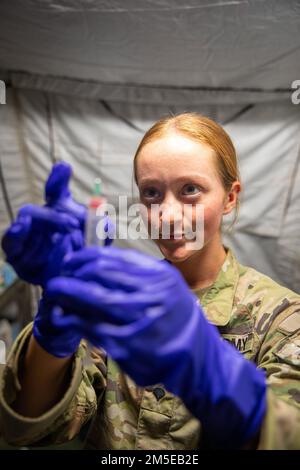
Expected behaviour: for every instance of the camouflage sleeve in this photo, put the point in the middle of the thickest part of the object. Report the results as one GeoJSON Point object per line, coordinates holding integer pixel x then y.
{"type": "Point", "coordinates": [279, 356]}
{"type": "Point", "coordinates": [65, 420]}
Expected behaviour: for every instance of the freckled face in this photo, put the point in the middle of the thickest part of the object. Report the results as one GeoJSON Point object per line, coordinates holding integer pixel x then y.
{"type": "Point", "coordinates": [171, 172]}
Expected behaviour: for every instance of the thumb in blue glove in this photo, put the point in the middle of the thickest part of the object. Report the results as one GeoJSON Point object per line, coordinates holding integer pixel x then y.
{"type": "Point", "coordinates": [51, 338]}
{"type": "Point", "coordinates": [142, 312]}
{"type": "Point", "coordinates": [58, 195]}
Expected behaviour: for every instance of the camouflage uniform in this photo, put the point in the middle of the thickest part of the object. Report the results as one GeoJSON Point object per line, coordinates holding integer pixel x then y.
{"type": "Point", "coordinates": [259, 317]}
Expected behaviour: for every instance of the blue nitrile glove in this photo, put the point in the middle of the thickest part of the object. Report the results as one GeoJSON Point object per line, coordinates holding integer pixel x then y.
{"type": "Point", "coordinates": [142, 312]}
{"type": "Point", "coordinates": [37, 241]}
{"type": "Point", "coordinates": [51, 338]}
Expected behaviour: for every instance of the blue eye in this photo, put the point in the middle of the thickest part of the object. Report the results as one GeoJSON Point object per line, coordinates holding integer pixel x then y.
{"type": "Point", "coordinates": [190, 190]}
{"type": "Point", "coordinates": [150, 193]}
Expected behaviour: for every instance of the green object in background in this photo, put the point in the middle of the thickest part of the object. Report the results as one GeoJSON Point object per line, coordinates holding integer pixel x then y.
{"type": "Point", "coordinates": [7, 276]}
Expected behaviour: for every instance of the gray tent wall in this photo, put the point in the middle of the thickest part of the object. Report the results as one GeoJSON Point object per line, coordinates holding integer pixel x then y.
{"type": "Point", "coordinates": [88, 79]}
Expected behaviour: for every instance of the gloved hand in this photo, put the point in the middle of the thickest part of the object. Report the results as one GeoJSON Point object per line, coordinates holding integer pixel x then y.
{"type": "Point", "coordinates": [51, 338]}
{"type": "Point", "coordinates": [142, 312]}
{"type": "Point", "coordinates": [37, 241]}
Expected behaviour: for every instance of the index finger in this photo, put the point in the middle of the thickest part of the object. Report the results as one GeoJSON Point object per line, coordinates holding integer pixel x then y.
{"type": "Point", "coordinates": [47, 216]}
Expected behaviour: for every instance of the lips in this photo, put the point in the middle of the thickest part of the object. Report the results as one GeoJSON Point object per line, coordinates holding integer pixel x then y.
{"type": "Point", "coordinates": [172, 236]}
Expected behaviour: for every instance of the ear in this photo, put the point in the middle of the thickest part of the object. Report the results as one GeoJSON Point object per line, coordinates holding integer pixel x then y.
{"type": "Point", "coordinates": [232, 197]}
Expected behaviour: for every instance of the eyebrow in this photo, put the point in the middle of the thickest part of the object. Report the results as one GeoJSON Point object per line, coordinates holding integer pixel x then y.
{"type": "Point", "coordinates": [185, 177]}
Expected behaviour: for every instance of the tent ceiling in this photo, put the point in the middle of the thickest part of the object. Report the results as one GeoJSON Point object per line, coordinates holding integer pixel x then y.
{"type": "Point", "coordinates": [169, 43]}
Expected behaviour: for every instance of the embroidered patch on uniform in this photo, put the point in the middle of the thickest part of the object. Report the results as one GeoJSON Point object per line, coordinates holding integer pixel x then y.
{"type": "Point", "coordinates": [291, 323]}
{"type": "Point", "coordinates": [290, 352]}
{"type": "Point", "coordinates": [243, 343]}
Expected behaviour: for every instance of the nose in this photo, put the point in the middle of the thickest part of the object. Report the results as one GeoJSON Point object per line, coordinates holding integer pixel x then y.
{"type": "Point", "coordinates": [171, 212]}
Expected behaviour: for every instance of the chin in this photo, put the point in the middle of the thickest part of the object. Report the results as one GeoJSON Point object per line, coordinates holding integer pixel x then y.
{"type": "Point", "coordinates": [175, 254]}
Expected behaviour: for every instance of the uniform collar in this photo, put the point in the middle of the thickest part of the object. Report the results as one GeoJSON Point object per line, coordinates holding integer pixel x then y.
{"type": "Point", "coordinates": [217, 300]}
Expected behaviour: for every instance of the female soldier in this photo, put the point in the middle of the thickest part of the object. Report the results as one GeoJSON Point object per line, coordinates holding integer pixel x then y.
{"type": "Point", "coordinates": [170, 381]}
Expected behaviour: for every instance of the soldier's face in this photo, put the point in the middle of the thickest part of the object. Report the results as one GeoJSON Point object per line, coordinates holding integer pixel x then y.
{"type": "Point", "coordinates": [175, 171]}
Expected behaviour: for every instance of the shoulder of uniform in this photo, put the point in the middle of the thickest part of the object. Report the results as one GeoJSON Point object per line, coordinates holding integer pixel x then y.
{"type": "Point", "coordinates": [273, 306]}
{"type": "Point", "coordinates": [253, 281]}
{"type": "Point", "coordinates": [263, 296]}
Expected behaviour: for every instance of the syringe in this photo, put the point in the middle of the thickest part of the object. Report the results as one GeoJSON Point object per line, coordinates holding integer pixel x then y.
{"type": "Point", "coordinates": [95, 223]}
{"type": "Point", "coordinates": [95, 233]}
